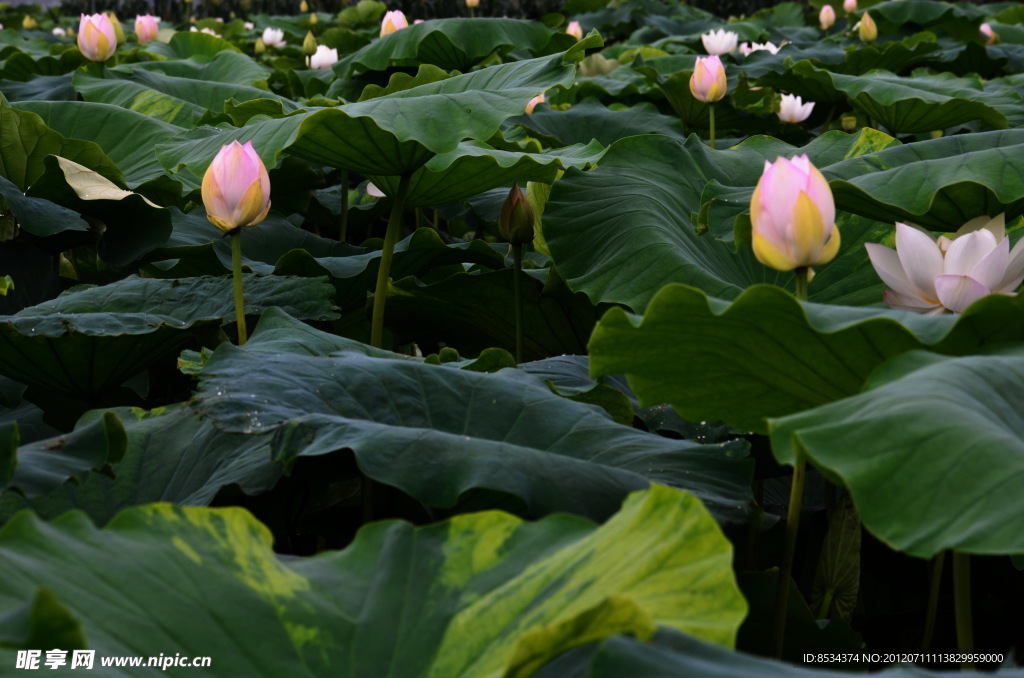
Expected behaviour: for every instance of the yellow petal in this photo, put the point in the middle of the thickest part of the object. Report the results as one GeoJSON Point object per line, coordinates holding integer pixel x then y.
{"type": "Point", "coordinates": [828, 252]}
{"type": "Point", "coordinates": [771, 256]}
{"type": "Point", "coordinates": [808, 230]}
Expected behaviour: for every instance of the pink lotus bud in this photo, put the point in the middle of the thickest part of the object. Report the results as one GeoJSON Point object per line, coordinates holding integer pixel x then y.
{"type": "Point", "coordinates": [793, 216]}
{"type": "Point", "coordinates": [236, 188]}
{"type": "Point", "coordinates": [472, 3]}
{"type": "Point", "coordinates": [146, 27]}
{"type": "Point", "coordinates": [991, 35]}
{"type": "Point", "coordinates": [719, 42]}
{"type": "Point", "coordinates": [575, 30]}
{"type": "Point", "coordinates": [96, 37]}
{"type": "Point", "coordinates": [867, 30]}
{"type": "Point", "coordinates": [393, 21]}
{"type": "Point", "coordinates": [849, 6]}
{"type": "Point", "coordinates": [826, 17]}
{"type": "Point", "coordinates": [539, 99]}
{"type": "Point", "coordinates": [708, 82]}
{"type": "Point", "coordinates": [793, 109]}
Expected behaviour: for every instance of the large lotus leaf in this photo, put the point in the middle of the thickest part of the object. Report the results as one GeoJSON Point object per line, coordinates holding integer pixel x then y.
{"type": "Point", "coordinates": [474, 167]}
{"type": "Point", "coordinates": [39, 88]}
{"type": "Point", "coordinates": [169, 454]}
{"type": "Point", "coordinates": [393, 134]}
{"type": "Point", "coordinates": [930, 452]}
{"type": "Point", "coordinates": [189, 44]}
{"type": "Point", "coordinates": [132, 225]}
{"type": "Point", "coordinates": [224, 66]}
{"type": "Point", "coordinates": [179, 101]}
{"type": "Point", "coordinates": [38, 216]}
{"type": "Point", "coordinates": [471, 312]}
{"type": "Point", "coordinates": [923, 103]}
{"type": "Point", "coordinates": [589, 120]}
{"type": "Point", "coordinates": [767, 355]}
{"type": "Point", "coordinates": [624, 250]}
{"type": "Point", "coordinates": [672, 654]}
{"type": "Point", "coordinates": [959, 20]}
{"type": "Point", "coordinates": [955, 179]}
{"type": "Point", "coordinates": [89, 340]}
{"type": "Point", "coordinates": [355, 275]}
{"type": "Point", "coordinates": [197, 247]}
{"type": "Point", "coordinates": [452, 44]}
{"type": "Point", "coordinates": [489, 595]}
{"type": "Point", "coordinates": [41, 467]}
{"type": "Point", "coordinates": [27, 141]}
{"type": "Point", "coordinates": [126, 137]}
{"type": "Point", "coordinates": [436, 432]}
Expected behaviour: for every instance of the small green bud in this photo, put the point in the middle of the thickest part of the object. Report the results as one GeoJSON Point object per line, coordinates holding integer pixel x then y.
{"type": "Point", "coordinates": [260, 47]}
{"type": "Point", "coordinates": [309, 44]}
{"type": "Point", "coordinates": [515, 222]}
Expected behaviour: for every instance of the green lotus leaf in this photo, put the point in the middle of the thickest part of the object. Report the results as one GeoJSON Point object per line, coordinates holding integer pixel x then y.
{"type": "Point", "coordinates": [169, 454]}
{"type": "Point", "coordinates": [126, 137]}
{"type": "Point", "coordinates": [625, 250]}
{"type": "Point", "coordinates": [187, 44]}
{"type": "Point", "coordinates": [777, 356]}
{"type": "Point", "coordinates": [589, 119]}
{"type": "Point", "coordinates": [471, 312]}
{"type": "Point", "coordinates": [27, 142]}
{"type": "Point", "coordinates": [493, 595]}
{"type": "Point", "coordinates": [474, 167]}
{"type": "Point", "coordinates": [506, 432]}
{"type": "Point", "coordinates": [90, 340]}
{"type": "Point", "coordinates": [451, 44]}
{"type": "Point", "coordinates": [930, 451]}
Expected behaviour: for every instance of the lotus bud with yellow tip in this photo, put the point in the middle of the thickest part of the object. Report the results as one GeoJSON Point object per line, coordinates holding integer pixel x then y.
{"type": "Point", "coordinates": [29, 23]}
{"type": "Point", "coordinates": [96, 38]}
{"type": "Point", "coordinates": [866, 28]}
{"type": "Point", "coordinates": [793, 216]}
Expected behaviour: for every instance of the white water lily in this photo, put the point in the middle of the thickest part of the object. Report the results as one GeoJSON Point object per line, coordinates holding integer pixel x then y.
{"type": "Point", "coordinates": [273, 37]}
{"type": "Point", "coordinates": [793, 109]}
{"type": "Point", "coordinates": [932, 277]}
{"type": "Point", "coordinates": [720, 41]}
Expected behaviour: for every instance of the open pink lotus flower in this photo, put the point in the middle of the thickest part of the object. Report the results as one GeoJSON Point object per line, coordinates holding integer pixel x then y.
{"type": "Point", "coordinates": [932, 277]}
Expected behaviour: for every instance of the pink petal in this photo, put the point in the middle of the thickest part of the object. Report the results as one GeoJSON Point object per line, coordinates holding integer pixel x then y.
{"type": "Point", "coordinates": [902, 302]}
{"type": "Point", "coordinates": [920, 257]}
{"type": "Point", "coordinates": [957, 292]}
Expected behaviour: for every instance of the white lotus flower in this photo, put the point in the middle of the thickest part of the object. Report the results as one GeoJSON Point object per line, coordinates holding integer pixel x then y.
{"type": "Point", "coordinates": [793, 109]}
{"type": "Point", "coordinates": [249, 25]}
{"type": "Point", "coordinates": [720, 41]}
{"type": "Point", "coordinates": [273, 37]}
{"type": "Point", "coordinates": [325, 57]}
{"type": "Point", "coordinates": [933, 277]}
{"type": "Point", "coordinates": [59, 32]}
{"type": "Point", "coordinates": [767, 46]}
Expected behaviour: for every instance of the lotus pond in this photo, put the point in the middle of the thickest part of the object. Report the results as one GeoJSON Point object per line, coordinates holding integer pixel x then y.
{"type": "Point", "coordinates": [627, 341]}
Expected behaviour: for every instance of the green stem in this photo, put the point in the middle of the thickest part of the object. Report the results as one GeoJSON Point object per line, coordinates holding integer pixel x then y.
{"type": "Point", "coordinates": [826, 603]}
{"type": "Point", "coordinates": [517, 256]}
{"type": "Point", "coordinates": [802, 274]}
{"type": "Point", "coordinates": [796, 494]}
{"type": "Point", "coordinates": [417, 217]}
{"type": "Point", "coordinates": [962, 602]}
{"type": "Point", "coordinates": [933, 600]}
{"type": "Point", "coordinates": [380, 292]}
{"type": "Point", "coordinates": [236, 274]}
{"type": "Point", "coordinates": [343, 222]}
{"type": "Point", "coordinates": [712, 114]}
{"type": "Point", "coordinates": [754, 539]}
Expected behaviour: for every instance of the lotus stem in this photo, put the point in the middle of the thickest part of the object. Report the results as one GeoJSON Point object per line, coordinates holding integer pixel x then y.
{"type": "Point", "coordinates": [236, 275]}
{"type": "Point", "coordinates": [343, 222]}
{"type": "Point", "coordinates": [517, 257]}
{"type": "Point", "coordinates": [711, 112]}
{"type": "Point", "coordinates": [962, 603]}
{"type": "Point", "coordinates": [796, 494]}
{"type": "Point", "coordinates": [933, 600]}
{"type": "Point", "coordinates": [802, 276]}
{"type": "Point", "coordinates": [380, 292]}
